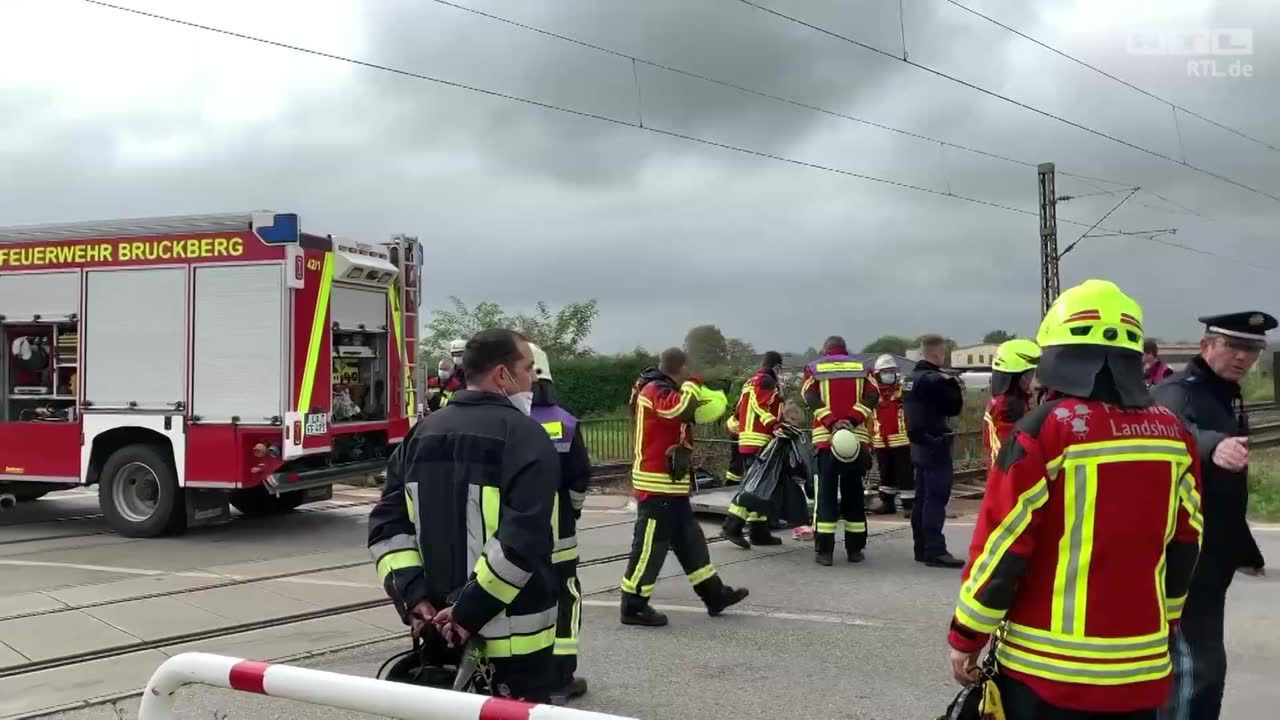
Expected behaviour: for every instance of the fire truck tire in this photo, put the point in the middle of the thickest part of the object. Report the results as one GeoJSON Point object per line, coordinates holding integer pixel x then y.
{"type": "Point", "coordinates": [257, 501]}
{"type": "Point", "coordinates": [139, 494]}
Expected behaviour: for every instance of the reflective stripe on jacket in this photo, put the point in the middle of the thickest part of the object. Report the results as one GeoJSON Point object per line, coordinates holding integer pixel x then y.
{"type": "Point", "coordinates": [889, 426]}
{"type": "Point", "coordinates": [758, 411]}
{"type": "Point", "coordinates": [1083, 552]}
{"type": "Point", "coordinates": [466, 516]}
{"type": "Point", "coordinates": [836, 387]}
{"type": "Point", "coordinates": [999, 418]}
{"type": "Point", "coordinates": [663, 441]}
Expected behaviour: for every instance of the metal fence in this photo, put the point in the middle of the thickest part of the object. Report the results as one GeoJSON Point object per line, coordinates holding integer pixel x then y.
{"type": "Point", "coordinates": [613, 440]}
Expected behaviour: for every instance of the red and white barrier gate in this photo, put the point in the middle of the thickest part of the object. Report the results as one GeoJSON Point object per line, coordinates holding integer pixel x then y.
{"type": "Point", "coordinates": [349, 692]}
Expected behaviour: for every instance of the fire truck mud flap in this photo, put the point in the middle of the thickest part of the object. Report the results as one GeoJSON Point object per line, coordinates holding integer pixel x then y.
{"type": "Point", "coordinates": [207, 507]}
{"type": "Point", "coordinates": [310, 480]}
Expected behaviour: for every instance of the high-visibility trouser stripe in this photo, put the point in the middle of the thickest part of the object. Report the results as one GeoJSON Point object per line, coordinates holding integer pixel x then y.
{"type": "Point", "coordinates": [398, 560]}
{"type": "Point", "coordinates": [516, 645]}
{"type": "Point", "coordinates": [631, 584]}
{"type": "Point", "coordinates": [738, 511]}
{"type": "Point", "coordinates": [392, 544]}
{"type": "Point", "coordinates": [565, 549]}
{"type": "Point", "coordinates": [1061, 670]}
{"type": "Point", "coordinates": [828, 528]}
{"type": "Point", "coordinates": [568, 644]}
{"type": "Point", "coordinates": [1003, 537]}
{"type": "Point", "coordinates": [978, 617]}
{"type": "Point", "coordinates": [504, 625]}
{"type": "Point", "coordinates": [318, 330]}
{"type": "Point", "coordinates": [855, 526]}
{"type": "Point", "coordinates": [702, 574]}
{"type": "Point", "coordinates": [1120, 648]}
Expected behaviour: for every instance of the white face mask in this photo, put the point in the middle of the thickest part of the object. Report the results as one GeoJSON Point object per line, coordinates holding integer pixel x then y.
{"type": "Point", "coordinates": [888, 378]}
{"type": "Point", "coordinates": [523, 401]}
{"type": "Point", "coordinates": [444, 374]}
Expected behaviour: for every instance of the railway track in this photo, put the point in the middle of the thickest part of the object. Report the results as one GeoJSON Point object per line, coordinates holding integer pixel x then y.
{"type": "Point", "coordinates": [237, 628]}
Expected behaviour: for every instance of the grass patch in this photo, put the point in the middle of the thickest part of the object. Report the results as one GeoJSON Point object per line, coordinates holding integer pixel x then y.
{"type": "Point", "coordinates": [1264, 485]}
{"type": "Point", "coordinates": [1258, 386]}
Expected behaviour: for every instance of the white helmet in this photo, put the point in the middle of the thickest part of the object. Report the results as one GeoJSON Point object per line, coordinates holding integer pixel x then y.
{"type": "Point", "coordinates": [845, 445]}
{"type": "Point", "coordinates": [457, 347]}
{"type": "Point", "coordinates": [541, 365]}
{"type": "Point", "coordinates": [885, 362]}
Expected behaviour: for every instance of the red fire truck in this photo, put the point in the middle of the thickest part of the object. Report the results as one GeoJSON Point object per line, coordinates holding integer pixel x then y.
{"type": "Point", "coordinates": [185, 364]}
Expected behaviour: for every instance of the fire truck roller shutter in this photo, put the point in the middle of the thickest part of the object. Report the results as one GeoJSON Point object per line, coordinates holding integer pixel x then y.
{"type": "Point", "coordinates": [351, 307]}
{"type": "Point", "coordinates": [47, 294]}
{"type": "Point", "coordinates": [135, 338]}
{"type": "Point", "coordinates": [238, 364]}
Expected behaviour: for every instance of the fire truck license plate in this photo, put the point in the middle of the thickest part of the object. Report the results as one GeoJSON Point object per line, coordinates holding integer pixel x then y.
{"type": "Point", "coordinates": [317, 424]}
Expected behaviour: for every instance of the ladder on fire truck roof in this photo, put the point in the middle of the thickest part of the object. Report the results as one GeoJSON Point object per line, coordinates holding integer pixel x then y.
{"type": "Point", "coordinates": [130, 227]}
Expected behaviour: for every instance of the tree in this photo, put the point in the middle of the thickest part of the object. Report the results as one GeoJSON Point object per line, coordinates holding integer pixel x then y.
{"type": "Point", "coordinates": [995, 337]}
{"type": "Point", "coordinates": [706, 347]}
{"type": "Point", "coordinates": [740, 353]}
{"type": "Point", "coordinates": [561, 333]}
{"type": "Point", "coordinates": [889, 344]}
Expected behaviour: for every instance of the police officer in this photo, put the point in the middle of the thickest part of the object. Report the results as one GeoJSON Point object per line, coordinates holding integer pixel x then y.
{"type": "Point", "coordinates": [575, 475]}
{"type": "Point", "coordinates": [932, 398]}
{"type": "Point", "coordinates": [462, 536]}
{"type": "Point", "coordinates": [1206, 395]}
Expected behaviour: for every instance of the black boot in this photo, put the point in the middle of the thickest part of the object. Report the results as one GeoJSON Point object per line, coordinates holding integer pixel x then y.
{"type": "Point", "coordinates": [717, 596]}
{"type": "Point", "coordinates": [945, 560]}
{"type": "Point", "coordinates": [575, 688]}
{"type": "Point", "coordinates": [636, 611]}
{"type": "Point", "coordinates": [824, 545]}
{"type": "Point", "coordinates": [760, 534]}
{"type": "Point", "coordinates": [732, 531]}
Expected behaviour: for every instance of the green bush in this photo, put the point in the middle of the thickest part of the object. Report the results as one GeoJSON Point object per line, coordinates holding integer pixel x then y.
{"type": "Point", "coordinates": [598, 385]}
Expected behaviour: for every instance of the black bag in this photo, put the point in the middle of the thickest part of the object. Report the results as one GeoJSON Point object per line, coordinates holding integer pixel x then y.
{"type": "Point", "coordinates": [433, 663]}
{"type": "Point", "coordinates": [981, 700]}
{"type": "Point", "coordinates": [770, 468]}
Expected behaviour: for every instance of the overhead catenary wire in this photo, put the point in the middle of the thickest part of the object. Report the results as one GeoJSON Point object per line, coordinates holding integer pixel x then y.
{"type": "Point", "coordinates": [1085, 234]}
{"type": "Point", "coordinates": [1126, 83]}
{"type": "Point", "coordinates": [612, 120]}
{"type": "Point", "coordinates": [1012, 101]}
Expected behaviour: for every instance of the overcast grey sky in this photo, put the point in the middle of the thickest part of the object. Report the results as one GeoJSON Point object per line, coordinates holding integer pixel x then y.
{"type": "Point", "coordinates": [107, 114]}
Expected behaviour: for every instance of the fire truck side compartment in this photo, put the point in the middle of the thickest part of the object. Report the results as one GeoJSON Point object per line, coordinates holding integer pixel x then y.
{"type": "Point", "coordinates": [239, 346]}
{"type": "Point", "coordinates": [135, 329]}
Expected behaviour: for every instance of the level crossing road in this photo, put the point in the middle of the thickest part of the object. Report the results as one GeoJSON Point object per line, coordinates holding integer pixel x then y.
{"type": "Point", "coordinates": [863, 641]}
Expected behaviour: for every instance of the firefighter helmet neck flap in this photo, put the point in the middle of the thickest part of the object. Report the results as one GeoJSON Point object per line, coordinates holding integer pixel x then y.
{"type": "Point", "coordinates": [1013, 358]}
{"type": "Point", "coordinates": [1091, 327]}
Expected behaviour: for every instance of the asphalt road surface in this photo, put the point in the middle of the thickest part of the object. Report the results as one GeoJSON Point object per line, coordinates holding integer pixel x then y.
{"type": "Point", "coordinates": [851, 641]}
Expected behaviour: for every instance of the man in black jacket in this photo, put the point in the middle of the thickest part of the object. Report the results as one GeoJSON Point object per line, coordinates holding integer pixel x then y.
{"type": "Point", "coordinates": [930, 398]}
{"type": "Point", "coordinates": [1206, 395]}
{"type": "Point", "coordinates": [462, 535]}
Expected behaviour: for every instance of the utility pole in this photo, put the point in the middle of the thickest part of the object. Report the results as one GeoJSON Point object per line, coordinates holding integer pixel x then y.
{"type": "Point", "coordinates": [1049, 284]}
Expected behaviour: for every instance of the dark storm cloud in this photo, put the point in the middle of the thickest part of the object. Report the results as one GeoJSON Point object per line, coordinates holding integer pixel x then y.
{"type": "Point", "coordinates": [518, 203]}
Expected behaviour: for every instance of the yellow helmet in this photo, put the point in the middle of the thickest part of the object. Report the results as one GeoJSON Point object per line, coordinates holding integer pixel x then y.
{"type": "Point", "coordinates": [1016, 356]}
{"type": "Point", "coordinates": [1095, 312]}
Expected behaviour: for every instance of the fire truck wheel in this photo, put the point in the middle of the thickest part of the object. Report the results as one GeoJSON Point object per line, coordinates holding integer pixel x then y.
{"type": "Point", "coordinates": [139, 493]}
{"type": "Point", "coordinates": [257, 501]}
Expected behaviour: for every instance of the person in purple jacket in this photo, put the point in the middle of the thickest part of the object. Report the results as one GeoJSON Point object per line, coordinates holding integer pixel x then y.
{"type": "Point", "coordinates": [575, 476]}
{"type": "Point", "coordinates": [1154, 370]}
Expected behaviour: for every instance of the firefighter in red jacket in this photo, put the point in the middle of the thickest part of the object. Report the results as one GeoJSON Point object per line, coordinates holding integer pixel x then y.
{"type": "Point", "coordinates": [1012, 372]}
{"type": "Point", "coordinates": [759, 415]}
{"type": "Point", "coordinates": [663, 404]}
{"type": "Point", "coordinates": [837, 389]}
{"type": "Point", "coordinates": [889, 440]}
{"type": "Point", "coordinates": [1089, 530]}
